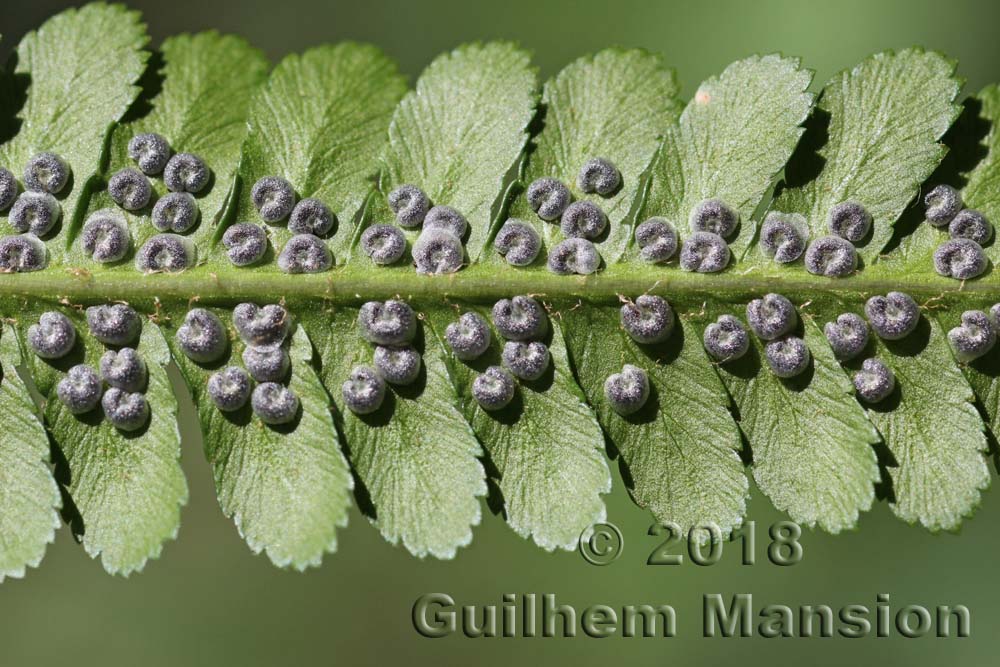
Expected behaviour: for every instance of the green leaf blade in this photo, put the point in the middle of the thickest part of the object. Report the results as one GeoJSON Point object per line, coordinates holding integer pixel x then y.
{"type": "Point", "coordinates": [886, 117]}
{"type": "Point", "coordinates": [811, 441]}
{"type": "Point", "coordinates": [972, 167]}
{"type": "Point", "coordinates": [933, 431]}
{"type": "Point", "coordinates": [458, 133]}
{"type": "Point", "coordinates": [733, 138]}
{"type": "Point", "coordinates": [98, 49]}
{"type": "Point", "coordinates": [934, 435]}
{"type": "Point", "coordinates": [615, 105]}
{"type": "Point", "coordinates": [287, 488]}
{"type": "Point", "coordinates": [338, 123]}
{"type": "Point", "coordinates": [545, 450]}
{"type": "Point", "coordinates": [208, 80]}
{"type": "Point", "coordinates": [128, 488]}
{"type": "Point", "coordinates": [326, 142]}
{"type": "Point", "coordinates": [681, 449]}
{"type": "Point", "coordinates": [416, 456]}
{"type": "Point", "coordinates": [29, 495]}
{"type": "Point", "coordinates": [982, 183]}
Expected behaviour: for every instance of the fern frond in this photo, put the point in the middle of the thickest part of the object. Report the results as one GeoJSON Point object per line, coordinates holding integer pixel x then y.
{"type": "Point", "coordinates": [300, 416]}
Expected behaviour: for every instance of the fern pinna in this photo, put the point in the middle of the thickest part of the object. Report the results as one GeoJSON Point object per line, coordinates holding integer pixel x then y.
{"type": "Point", "coordinates": [418, 297]}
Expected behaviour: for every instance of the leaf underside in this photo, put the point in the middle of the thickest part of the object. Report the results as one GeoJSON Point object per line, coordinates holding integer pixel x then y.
{"type": "Point", "coordinates": [811, 441]}
{"type": "Point", "coordinates": [680, 451]}
{"type": "Point", "coordinates": [98, 50]}
{"type": "Point", "coordinates": [207, 80]}
{"type": "Point", "coordinates": [545, 448]}
{"type": "Point", "coordinates": [326, 145]}
{"type": "Point", "coordinates": [614, 105]}
{"type": "Point", "coordinates": [415, 457]}
{"type": "Point", "coordinates": [127, 488]}
{"type": "Point", "coordinates": [287, 490]}
{"type": "Point", "coordinates": [732, 139]}
{"type": "Point", "coordinates": [29, 496]}
{"type": "Point", "coordinates": [933, 432]}
{"type": "Point", "coordinates": [339, 123]}
{"type": "Point", "coordinates": [881, 141]}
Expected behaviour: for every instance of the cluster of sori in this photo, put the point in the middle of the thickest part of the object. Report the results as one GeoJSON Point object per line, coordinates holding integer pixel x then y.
{"type": "Point", "coordinates": [712, 222]}
{"type": "Point", "coordinates": [522, 322]}
{"type": "Point", "coordinates": [264, 330]}
{"type": "Point", "coordinates": [309, 219]}
{"type": "Point", "coordinates": [648, 320]}
{"type": "Point", "coordinates": [439, 247]}
{"type": "Point", "coordinates": [105, 237]}
{"type": "Point", "coordinates": [773, 319]}
{"type": "Point", "coordinates": [580, 222]}
{"type": "Point", "coordinates": [390, 326]}
{"type": "Point", "coordinates": [784, 238]}
{"type": "Point", "coordinates": [976, 335]}
{"type": "Point", "coordinates": [962, 255]}
{"type": "Point", "coordinates": [121, 368]}
{"type": "Point", "coordinates": [33, 213]}
{"type": "Point", "coordinates": [892, 317]}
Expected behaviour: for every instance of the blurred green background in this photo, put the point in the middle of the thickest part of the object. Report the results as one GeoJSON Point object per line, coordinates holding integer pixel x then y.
{"type": "Point", "coordinates": [209, 601]}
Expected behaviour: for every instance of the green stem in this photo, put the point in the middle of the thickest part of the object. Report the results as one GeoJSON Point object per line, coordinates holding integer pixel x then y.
{"type": "Point", "coordinates": [483, 283]}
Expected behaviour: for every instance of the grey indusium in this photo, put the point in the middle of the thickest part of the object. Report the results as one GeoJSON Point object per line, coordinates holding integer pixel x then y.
{"type": "Point", "coordinates": [400, 294]}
